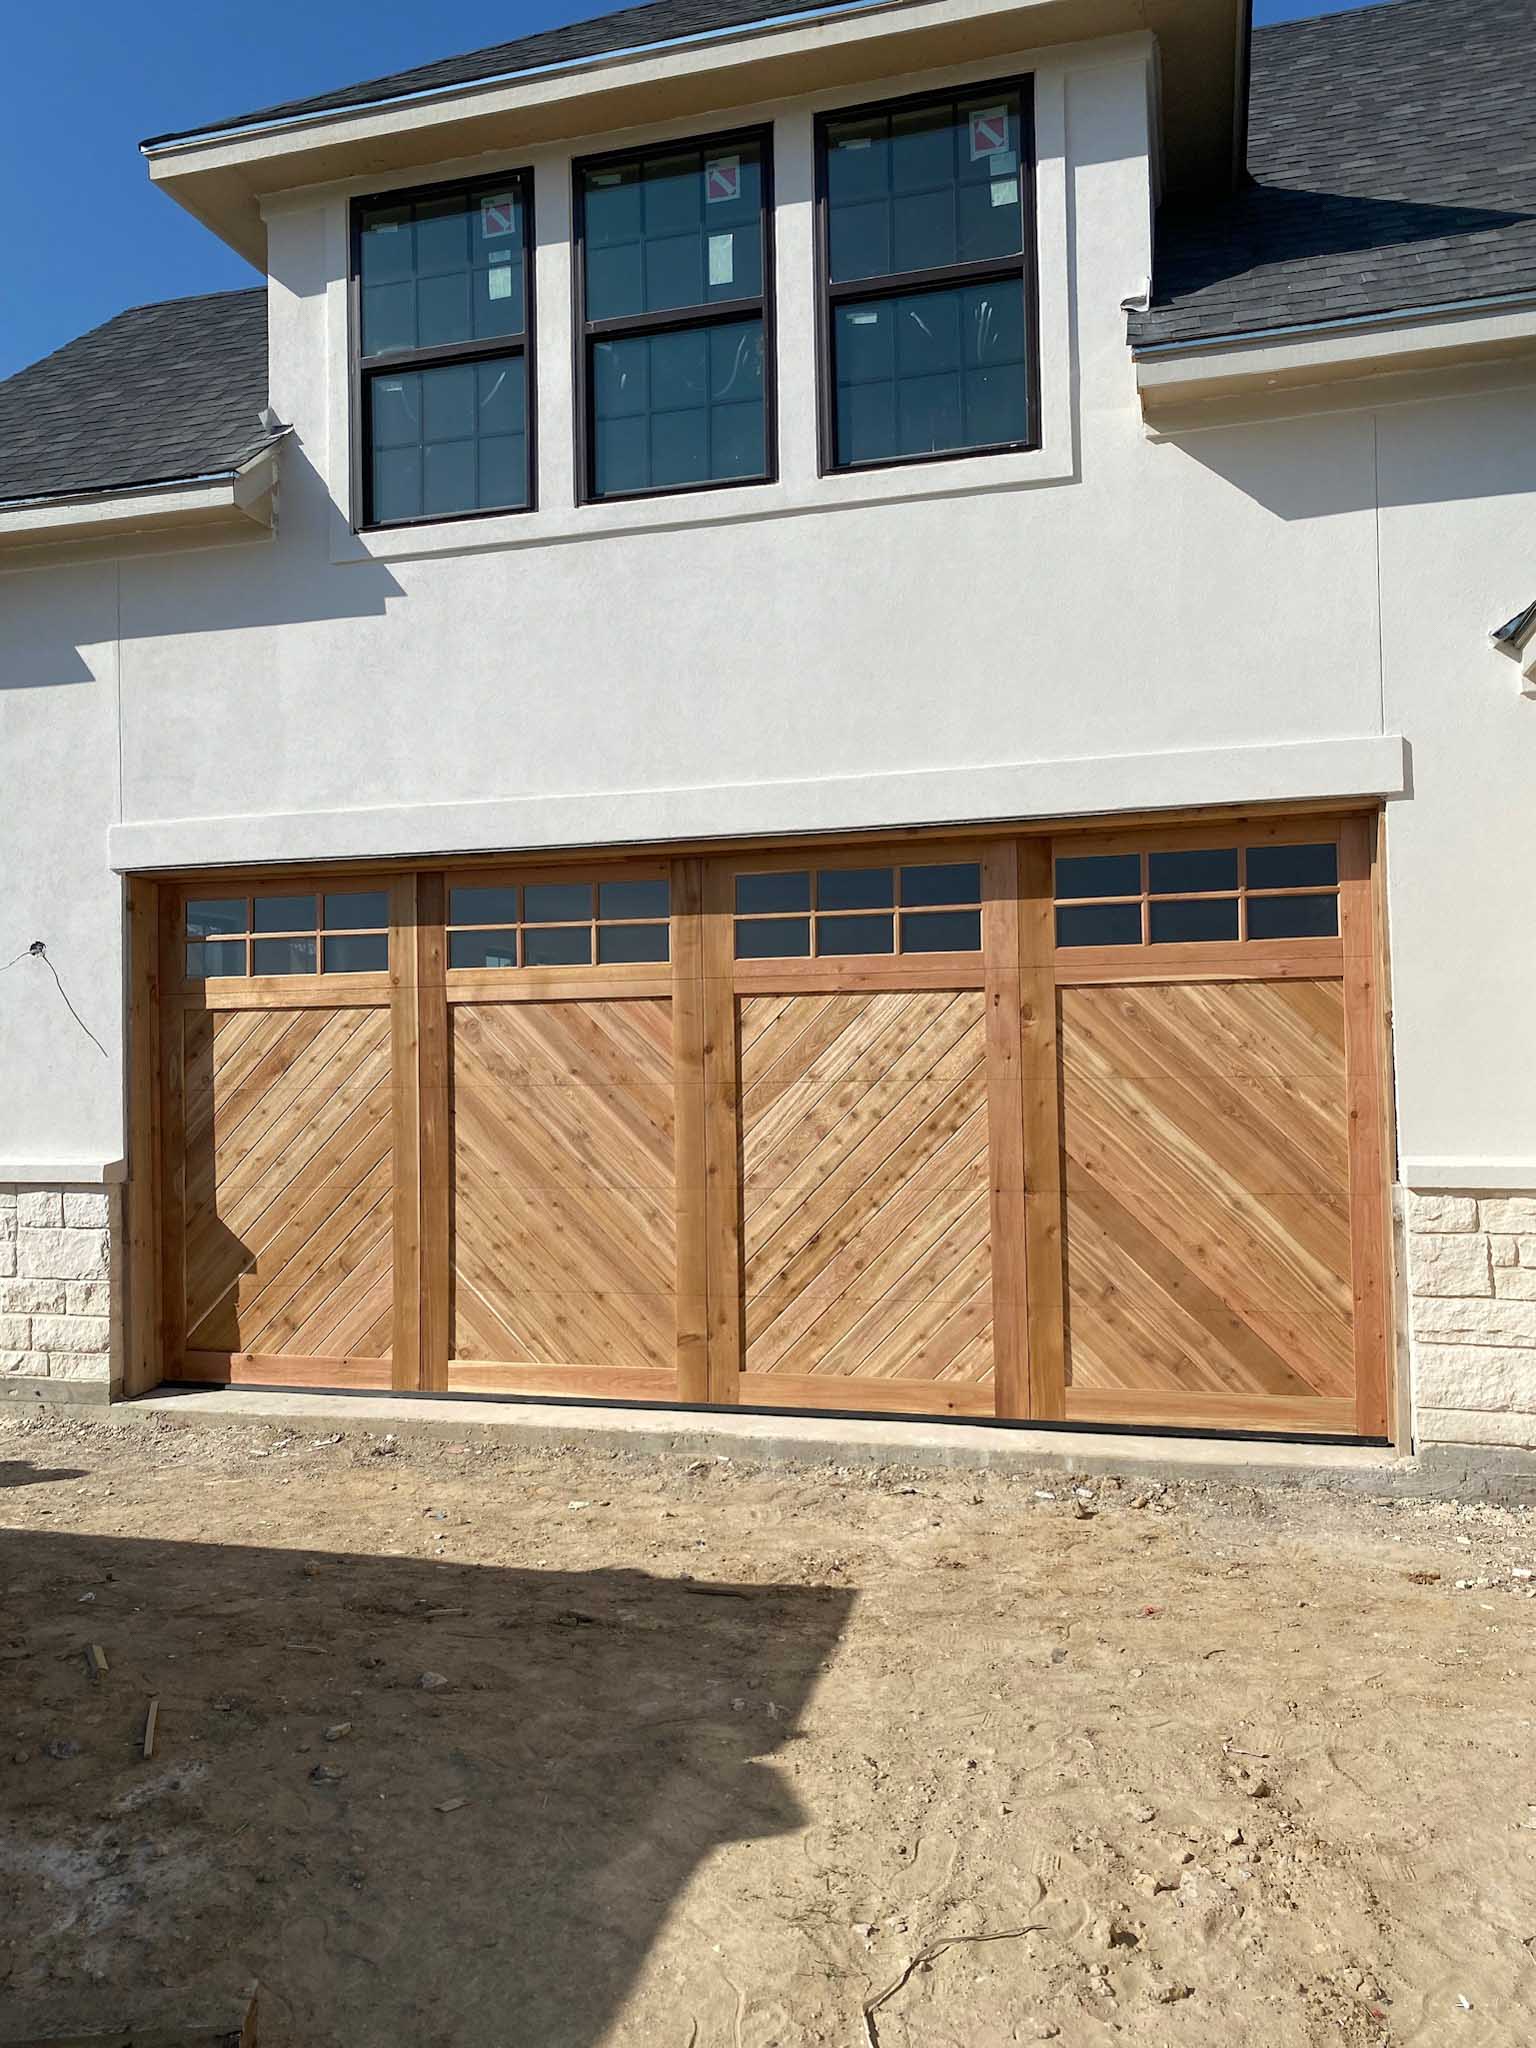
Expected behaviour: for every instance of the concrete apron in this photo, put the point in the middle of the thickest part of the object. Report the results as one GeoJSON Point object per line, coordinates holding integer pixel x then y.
{"type": "Point", "coordinates": [1446, 1471]}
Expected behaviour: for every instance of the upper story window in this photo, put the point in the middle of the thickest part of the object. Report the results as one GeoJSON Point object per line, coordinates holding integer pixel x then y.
{"type": "Point", "coordinates": [675, 316]}
{"type": "Point", "coordinates": [927, 283]}
{"type": "Point", "coordinates": [443, 288]}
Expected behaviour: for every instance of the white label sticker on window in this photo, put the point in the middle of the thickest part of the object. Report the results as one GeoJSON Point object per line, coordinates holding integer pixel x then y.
{"type": "Point", "coordinates": [989, 131]}
{"type": "Point", "coordinates": [863, 319]}
{"type": "Point", "coordinates": [722, 259]}
{"type": "Point", "coordinates": [1003, 162]}
{"type": "Point", "coordinates": [722, 179]}
{"type": "Point", "coordinates": [500, 279]}
{"type": "Point", "coordinates": [498, 216]}
{"type": "Point", "coordinates": [1005, 191]}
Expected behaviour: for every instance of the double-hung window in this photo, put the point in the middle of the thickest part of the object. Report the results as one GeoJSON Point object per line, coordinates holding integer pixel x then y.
{"type": "Point", "coordinates": [926, 222]}
{"type": "Point", "coordinates": [442, 321]}
{"type": "Point", "coordinates": [674, 302]}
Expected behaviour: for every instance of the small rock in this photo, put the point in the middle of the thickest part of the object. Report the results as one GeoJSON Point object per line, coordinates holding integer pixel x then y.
{"type": "Point", "coordinates": [338, 1730]}
{"type": "Point", "coordinates": [432, 1681]}
{"type": "Point", "coordinates": [1233, 1837]}
{"type": "Point", "coordinates": [327, 1774]}
{"type": "Point", "coordinates": [323, 1442]}
{"type": "Point", "coordinates": [21, 1756]}
{"type": "Point", "coordinates": [451, 1805]}
{"type": "Point", "coordinates": [1170, 1994]}
{"type": "Point", "coordinates": [61, 1749]}
{"type": "Point", "coordinates": [1143, 1814]}
{"type": "Point", "coordinates": [1081, 1513]}
{"type": "Point", "coordinates": [1248, 1782]}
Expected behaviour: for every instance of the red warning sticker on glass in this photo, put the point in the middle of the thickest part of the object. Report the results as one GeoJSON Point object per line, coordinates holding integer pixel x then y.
{"type": "Point", "coordinates": [989, 131]}
{"type": "Point", "coordinates": [722, 179]}
{"type": "Point", "coordinates": [498, 216]}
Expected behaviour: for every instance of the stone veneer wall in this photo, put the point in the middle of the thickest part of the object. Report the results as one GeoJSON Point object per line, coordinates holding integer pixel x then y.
{"type": "Point", "coordinates": [1472, 1318]}
{"type": "Point", "coordinates": [60, 1289]}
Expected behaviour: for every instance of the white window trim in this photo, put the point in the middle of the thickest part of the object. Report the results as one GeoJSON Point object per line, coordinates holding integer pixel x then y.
{"type": "Point", "coordinates": [800, 490]}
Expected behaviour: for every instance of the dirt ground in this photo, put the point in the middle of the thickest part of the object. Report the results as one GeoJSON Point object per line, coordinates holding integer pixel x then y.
{"type": "Point", "coordinates": [469, 1747]}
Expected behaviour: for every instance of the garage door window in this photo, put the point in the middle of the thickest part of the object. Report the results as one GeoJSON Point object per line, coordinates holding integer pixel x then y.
{"type": "Point", "coordinates": [827, 913]}
{"type": "Point", "coordinates": [559, 923]}
{"type": "Point", "coordinates": [1198, 895]}
{"type": "Point", "coordinates": [337, 932]}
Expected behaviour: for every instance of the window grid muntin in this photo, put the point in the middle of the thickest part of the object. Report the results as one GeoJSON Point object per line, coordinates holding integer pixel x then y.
{"type": "Point", "coordinates": [316, 934]}
{"type": "Point", "coordinates": [673, 320]}
{"type": "Point", "coordinates": [831, 293]}
{"type": "Point", "coordinates": [1241, 892]}
{"type": "Point", "coordinates": [513, 347]}
{"type": "Point", "coordinates": [519, 927]}
{"type": "Point", "coordinates": [815, 916]}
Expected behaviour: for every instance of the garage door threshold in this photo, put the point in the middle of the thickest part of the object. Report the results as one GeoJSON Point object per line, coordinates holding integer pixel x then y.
{"type": "Point", "coordinates": [758, 1438]}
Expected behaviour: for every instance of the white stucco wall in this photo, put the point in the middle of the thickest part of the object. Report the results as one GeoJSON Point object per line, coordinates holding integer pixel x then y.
{"type": "Point", "coordinates": [1244, 613]}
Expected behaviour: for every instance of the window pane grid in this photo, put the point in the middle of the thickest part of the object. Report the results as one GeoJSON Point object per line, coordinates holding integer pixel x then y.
{"type": "Point", "coordinates": [1088, 915]}
{"type": "Point", "coordinates": [559, 923]}
{"type": "Point", "coordinates": [909, 910]}
{"type": "Point", "coordinates": [672, 270]}
{"type": "Point", "coordinates": [926, 212]}
{"type": "Point", "coordinates": [234, 938]}
{"type": "Point", "coordinates": [443, 283]}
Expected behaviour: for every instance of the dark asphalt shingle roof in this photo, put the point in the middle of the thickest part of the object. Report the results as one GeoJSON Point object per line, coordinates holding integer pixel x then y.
{"type": "Point", "coordinates": [630, 28]}
{"type": "Point", "coordinates": [1393, 160]}
{"type": "Point", "coordinates": [161, 392]}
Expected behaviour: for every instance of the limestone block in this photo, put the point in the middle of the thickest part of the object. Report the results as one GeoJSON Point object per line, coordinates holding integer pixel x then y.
{"type": "Point", "coordinates": [7, 1195]}
{"type": "Point", "coordinates": [40, 1209]}
{"type": "Point", "coordinates": [32, 1365]}
{"type": "Point", "coordinates": [7, 1226]}
{"type": "Point", "coordinates": [1526, 1247]}
{"type": "Point", "coordinates": [61, 1254]}
{"type": "Point", "coordinates": [1475, 1376]}
{"type": "Point", "coordinates": [1516, 1283]}
{"type": "Point", "coordinates": [70, 1333]}
{"type": "Point", "coordinates": [15, 1333]}
{"type": "Point", "coordinates": [1509, 1215]}
{"type": "Point", "coordinates": [7, 1261]}
{"type": "Point", "coordinates": [1442, 1212]}
{"type": "Point", "coordinates": [1504, 1251]}
{"type": "Point", "coordinates": [1449, 1265]}
{"type": "Point", "coordinates": [32, 1297]}
{"type": "Point", "coordinates": [1475, 1322]}
{"type": "Point", "coordinates": [79, 1365]}
{"type": "Point", "coordinates": [86, 1298]}
{"type": "Point", "coordinates": [86, 1208]}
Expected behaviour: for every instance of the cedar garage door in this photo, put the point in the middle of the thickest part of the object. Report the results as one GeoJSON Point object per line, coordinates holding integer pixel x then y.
{"type": "Point", "coordinates": [1085, 1128]}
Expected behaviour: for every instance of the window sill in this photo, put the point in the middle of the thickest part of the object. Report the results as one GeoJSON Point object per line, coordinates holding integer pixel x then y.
{"type": "Point", "coordinates": [949, 477]}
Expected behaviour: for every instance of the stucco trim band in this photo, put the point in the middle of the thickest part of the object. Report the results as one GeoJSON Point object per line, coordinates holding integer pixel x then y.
{"type": "Point", "coordinates": [1324, 769]}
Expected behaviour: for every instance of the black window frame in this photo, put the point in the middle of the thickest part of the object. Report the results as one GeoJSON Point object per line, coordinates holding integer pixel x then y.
{"type": "Point", "coordinates": [672, 320]}
{"type": "Point", "coordinates": [902, 284]}
{"type": "Point", "coordinates": [365, 368]}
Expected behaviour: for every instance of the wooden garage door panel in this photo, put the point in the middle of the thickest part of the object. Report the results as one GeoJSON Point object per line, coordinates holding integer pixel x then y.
{"type": "Point", "coordinates": [865, 1189]}
{"type": "Point", "coordinates": [288, 1182]}
{"type": "Point", "coordinates": [564, 1185]}
{"type": "Point", "coordinates": [1207, 1188]}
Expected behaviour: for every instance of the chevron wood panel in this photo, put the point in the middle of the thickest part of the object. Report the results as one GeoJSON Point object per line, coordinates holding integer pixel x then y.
{"type": "Point", "coordinates": [288, 1182]}
{"type": "Point", "coordinates": [865, 1190]}
{"type": "Point", "coordinates": [1205, 1134]}
{"type": "Point", "coordinates": [564, 1227]}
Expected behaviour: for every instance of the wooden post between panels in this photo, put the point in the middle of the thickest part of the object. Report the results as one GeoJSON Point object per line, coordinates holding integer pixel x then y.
{"type": "Point", "coordinates": [419, 1050]}
{"type": "Point", "coordinates": [143, 1362]}
{"type": "Point", "coordinates": [722, 1139]}
{"type": "Point", "coordinates": [690, 1152]}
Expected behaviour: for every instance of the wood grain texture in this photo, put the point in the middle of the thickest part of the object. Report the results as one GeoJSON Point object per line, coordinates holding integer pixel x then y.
{"type": "Point", "coordinates": [142, 1361]}
{"type": "Point", "coordinates": [280, 1369]}
{"type": "Point", "coordinates": [564, 1198]}
{"type": "Point", "coordinates": [864, 1396]}
{"type": "Point", "coordinates": [865, 1193]}
{"type": "Point", "coordinates": [1369, 1146]}
{"type": "Point", "coordinates": [1006, 1083]}
{"type": "Point", "coordinates": [1208, 1194]}
{"type": "Point", "coordinates": [288, 1235]}
{"type": "Point", "coordinates": [722, 1136]}
{"type": "Point", "coordinates": [691, 1153]}
{"type": "Point", "coordinates": [1263, 1414]}
{"type": "Point", "coordinates": [1044, 1220]}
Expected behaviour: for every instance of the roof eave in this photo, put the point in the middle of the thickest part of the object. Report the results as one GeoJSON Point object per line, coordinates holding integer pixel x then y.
{"type": "Point", "coordinates": [1186, 383]}
{"type": "Point", "coordinates": [240, 497]}
{"type": "Point", "coordinates": [224, 177]}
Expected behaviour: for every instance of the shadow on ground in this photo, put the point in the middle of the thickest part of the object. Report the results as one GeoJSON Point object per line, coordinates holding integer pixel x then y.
{"type": "Point", "coordinates": [603, 1731]}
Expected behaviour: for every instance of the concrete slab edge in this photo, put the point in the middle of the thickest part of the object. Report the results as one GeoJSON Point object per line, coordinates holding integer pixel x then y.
{"type": "Point", "coordinates": [1451, 1472]}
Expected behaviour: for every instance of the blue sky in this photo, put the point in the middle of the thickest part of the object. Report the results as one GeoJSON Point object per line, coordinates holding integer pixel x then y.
{"type": "Point", "coordinates": [85, 235]}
